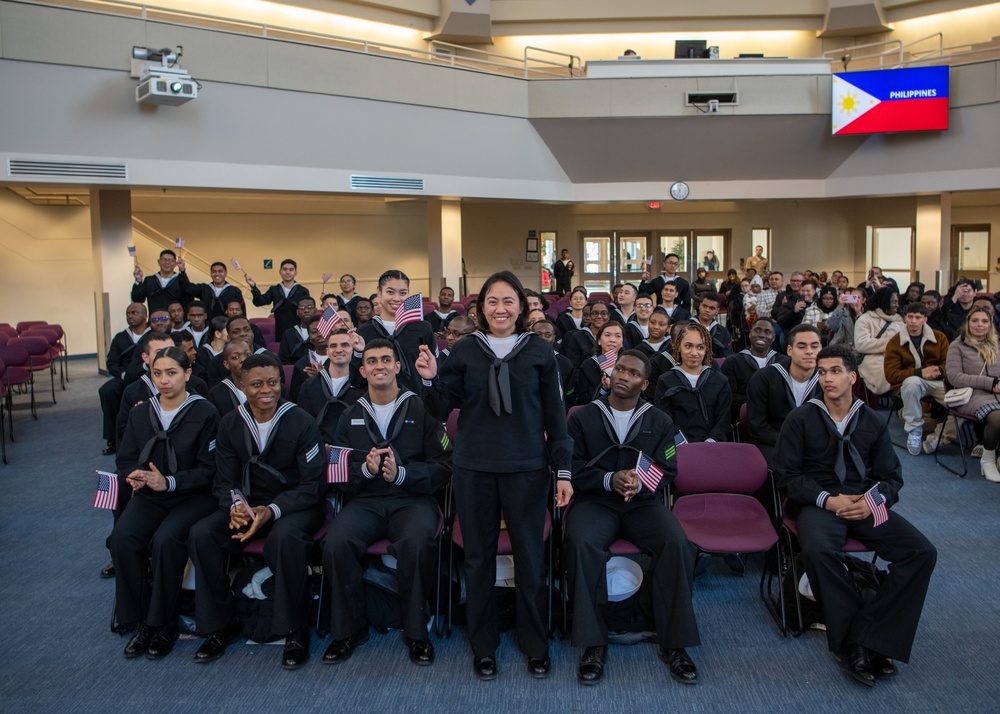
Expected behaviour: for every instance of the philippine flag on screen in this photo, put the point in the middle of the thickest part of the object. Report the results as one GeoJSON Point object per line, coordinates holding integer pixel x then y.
{"type": "Point", "coordinates": [890, 100]}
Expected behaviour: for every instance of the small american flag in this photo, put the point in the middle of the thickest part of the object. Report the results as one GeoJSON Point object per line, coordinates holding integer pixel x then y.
{"type": "Point", "coordinates": [232, 261]}
{"type": "Point", "coordinates": [328, 322]}
{"type": "Point", "coordinates": [107, 491]}
{"type": "Point", "coordinates": [239, 498]}
{"type": "Point", "coordinates": [178, 243]}
{"type": "Point", "coordinates": [648, 260]}
{"type": "Point", "coordinates": [131, 251]}
{"type": "Point", "coordinates": [337, 465]}
{"type": "Point", "coordinates": [876, 502]}
{"type": "Point", "coordinates": [608, 360]}
{"type": "Point", "coordinates": [326, 277]}
{"type": "Point", "coordinates": [648, 472]}
{"type": "Point", "coordinates": [410, 310]}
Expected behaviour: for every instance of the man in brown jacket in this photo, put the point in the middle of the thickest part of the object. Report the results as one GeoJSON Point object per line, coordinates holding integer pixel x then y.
{"type": "Point", "coordinates": [915, 364]}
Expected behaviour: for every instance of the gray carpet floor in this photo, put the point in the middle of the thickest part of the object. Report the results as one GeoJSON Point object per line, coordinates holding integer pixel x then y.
{"type": "Point", "coordinates": [57, 652]}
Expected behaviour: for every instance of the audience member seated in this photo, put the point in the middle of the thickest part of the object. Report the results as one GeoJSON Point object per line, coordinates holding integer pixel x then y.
{"type": "Point", "coordinates": [167, 459]}
{"type": "Point", "coordinates": [228, 394]}
{"type": "Point", "coordinates": [623, 311]}
{"type": "Point", "coordinates": [309, 364]}
{"type": "Point", "coordinates": [658, 350]}
{"type": "Point", "coordinates": [777, 389]}
{"type": "Point", "coordinates": [914, 293]}
{"type": "Point", "coordinates": [546, 329]}
{"type": "Point", "coordinates": [571, 319]}
{"type": "Point", "coordinates": [614, 499]}
{"type": "Point", "coordinates": [931, 299]}
{"type": "Point", "coordinates": [915, 365]}
{"type": "Point", "coordinates": [701, 287]}
{"type": "Point", "coordinates": [671, 264]}
{"type": "Point", "coordinates": [119, 356]}
{"type": "Point", "coordinates": [878, 324]}
{"type": "Point", "coordinates": [336, 385]}
{"type": "Point", "coordinates": [695, 395]}
{"type": "Point", "coordinates": [741, 367]}
{"type": "Point", "coordinates": [637, 328]}
{"type": "Point", "coordinates": [398, 459]}
{"type": "Point", "coordinates": [722, 341]}
{"type": "Point", "coordinates": [836, 463]}
{"type": "Point", "coordinates": [974, 362]}
{"type": "Point", "coordinates": [217, 339]}
{"type": "Point", "coordinates": [579, 345]}
{"type": "Point", "coordinates": [295, 340]}
{"type": "Point", "coordinates": [440, 318]}
{"type": "Point", "coordinates": [271, 450]}
{"type": "Point", "coordinates": [876, 281]}
{"type": "Point", "coordinates": [592, 377]}
{"type": "Point", "coordinates": [668, 301]}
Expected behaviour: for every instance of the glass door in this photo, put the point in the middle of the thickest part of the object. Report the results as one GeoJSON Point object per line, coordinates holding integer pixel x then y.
{"type": "Point", "coordinates": [676, 242]}
{"type": "Point", "coordinates": [893, 252]}
{"type": "Point", "coordinates": [598, 262]}
{"type": "Point", "coordinates": [632, 255]}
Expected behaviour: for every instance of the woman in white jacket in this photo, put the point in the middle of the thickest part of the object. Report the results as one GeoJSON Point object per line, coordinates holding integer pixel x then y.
{"type": "Point", "coordinates": [878, 324]}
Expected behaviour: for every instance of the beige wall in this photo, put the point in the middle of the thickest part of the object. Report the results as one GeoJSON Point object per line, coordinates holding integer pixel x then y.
{"type": "Point", "coordinates": [46, 269]}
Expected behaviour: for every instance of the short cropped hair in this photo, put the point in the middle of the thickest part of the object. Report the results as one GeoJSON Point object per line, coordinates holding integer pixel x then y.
{"type": "Point", "coordinates": [265, 359]}
{"type": "Point", "coordinates": [647, 366]}
{"type": "Point", "coordinates": [839, 352]}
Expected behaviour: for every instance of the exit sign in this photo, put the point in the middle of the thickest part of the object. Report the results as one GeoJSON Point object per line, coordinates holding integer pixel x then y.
{"type": "Point", "coordinates": [654, 205]}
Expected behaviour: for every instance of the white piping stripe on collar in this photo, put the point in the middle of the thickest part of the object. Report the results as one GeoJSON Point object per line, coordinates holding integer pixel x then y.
{"type": "Point", "coordinates": [855, 408]}
{"type": "Point", "coordinates": [484, 338]}
{"type": "Point", "coordinates": [251, 423]}
{"type": "Point", "coordinates": [153, 391]}
{"type": "Point", "coordinates": [788, 380]}
{"type": "Point", "coordinates": [235, 390]}
{"type": "Point", "coordinates": [637, 413]}
{"type": "Point", "coordinates": [367, 405]}
{"type": "Point", "coordinates": [158, 408]}
{"type": "Point", "coordinates": [768, 356]}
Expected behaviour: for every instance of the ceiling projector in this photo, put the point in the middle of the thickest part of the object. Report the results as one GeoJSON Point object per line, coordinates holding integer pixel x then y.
{"type": "Point", "coordinates": [161, 81]}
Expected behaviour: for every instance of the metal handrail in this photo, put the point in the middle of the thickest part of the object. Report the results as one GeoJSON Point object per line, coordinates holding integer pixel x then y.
{"type": "Point", "coordinates": [841, 52]}
{"type": "Point", "coordinates": [462, 52]}
{"type": "Point", "coordinates": [515, 65]}
{"type": "Point", "coordinates": [164, 241]}
{"type": "Point", "coordinates": [579, 61]}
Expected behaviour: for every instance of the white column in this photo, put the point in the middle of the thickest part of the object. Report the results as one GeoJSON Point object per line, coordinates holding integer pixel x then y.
{"type": "Point", "coordinates": [110, 237]}
{"type": "Point", "coordinates": [933, 249]}
{"type": "Point", "coordinates": [444, 245]}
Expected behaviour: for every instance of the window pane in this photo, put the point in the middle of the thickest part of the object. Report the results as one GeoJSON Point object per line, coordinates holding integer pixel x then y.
{"type": "Point", "coordinates": [710, 252]}
{"type": "Point", "coordinates": [973, 250]}
{"type": "Point", "coordinates": [894, 249]}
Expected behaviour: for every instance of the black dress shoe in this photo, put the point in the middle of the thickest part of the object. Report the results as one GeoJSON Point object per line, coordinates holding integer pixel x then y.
{"type": "Point", "coordinates": [591, 668]}
{"type": "Point", "coordinates": [539, 668]}
{"type": "Point", "coordinates": [216, 643]}
{"type": "Point", "coordinates": [296, 651]}
{"type": "Point", "coordinates": [485, 667]}
{"type": "Point", "coordinates": [109, 448]}
{"type": "Point", "coordinates": [163, 642]}
{"type": "Point", "coordinates": [680, 665]}
{"type": "Point", "coordinates": [882, 666]}
{"type": "Point", "coordinates": [421, 651]}
{"type": "Point", "coordinates": [853, 660]}
{"type": "Point", "coordinates": [341, 650]}
{"type": "Point", "coordinates": [737, 563]}
{"type": "Point", "coordinates": [139, 642]}
{"type": "Point", "coordinates": [108, 571]}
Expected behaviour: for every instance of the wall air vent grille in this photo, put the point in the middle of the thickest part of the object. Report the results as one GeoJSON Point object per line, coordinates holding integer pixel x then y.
{"type": "Point", "coordinates": [386, 183]}
{"type": "Point", "coordinates": [67, 169]}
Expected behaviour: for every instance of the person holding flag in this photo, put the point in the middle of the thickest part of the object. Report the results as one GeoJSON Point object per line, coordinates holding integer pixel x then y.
{"type": "Point", "coordinates": [283, 297]}
{"type": "Point", "coordinates": [167, 459]}
{"type": "Point", "coordinates": [835, 462]}
{"type": "Point", "coordinates": [593, 376]}
{"type": "Point", "coordinates": [165, 287]}
{"type": "Point", "coordinates": [337, 384]}
{"type": "Point", "coordinates": [402, 323]}
{"type": "Point", "coordinates": [218, 293]}
{"type": "Point", "coordinates": [272, 451]}
{"type": "Point", "coordinates": [400, 457]}
{"type": "Point", "coordinates": [623, 458]}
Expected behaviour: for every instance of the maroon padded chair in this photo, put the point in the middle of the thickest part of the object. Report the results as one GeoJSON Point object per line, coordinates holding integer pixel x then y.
{"type": "Point", "coordinates": [715, 507]}
{"type": "Point", "coordinates": [8, 330]}
{"type": "Point", "coordinates": [458, 307]}
{"type": "Point", "coordinates": [39, 356]}
{"type": "Point", "coordinates": [451, 426]}
{"type": "Point", "coordinates": [789, 527]}
{"type": "Point", "coordinates": [288, 371]}
{"type": "Point", "coordinates": [55, 348]}
{"type": "Point", "coordinates": [25, 325]}
{"type": "Point", "coordinates": [63, 347]}
{"type": "Point", "coordinates": [4, 338]}
{"type": "Point", "coordinates": [18, 374]}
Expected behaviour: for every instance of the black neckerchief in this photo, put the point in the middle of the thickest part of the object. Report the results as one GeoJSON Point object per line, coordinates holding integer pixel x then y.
{"type": "Point", "coordinates": [395, 422]}
{"type": "Point", "coordinates": [840, 467]}
{"type": "Point", "coordinates": [251, 438]}
{"type": "Point", "coordinates": [499, 395]}
{"type": "Point", "coordinates": [161, 434]}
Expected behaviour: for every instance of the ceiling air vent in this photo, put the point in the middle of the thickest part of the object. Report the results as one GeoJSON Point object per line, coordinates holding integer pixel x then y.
{"type": "Point", "coordinates": [386, 183]}
{"type": "Point", "coordinates": [67, 169]}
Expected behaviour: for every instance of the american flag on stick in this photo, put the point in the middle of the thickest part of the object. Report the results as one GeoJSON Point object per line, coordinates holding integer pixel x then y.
{"type": "Point", "coordinates": [876, 502]}
{"type": "Point", "coordinates": [608, 360]}
{"type": "Point", "coordinates": [240, 499]}
{"type": "Point", "coordinates": [328, 322]}
{"type": "Point", "coordinates": [648, 472]}
{"type": "Point", "coordinates": [337, 465]}
{"type": "Point", "coordinates": [107, 491]}
{"type": "Point", "coordinates": [131, 251]}
{"type": "Point", "coordinates": [410, 310]}
{"type": "Point", "coordinates": [179, 243]}
{"type": "Point", "coordinates": [235, 264]}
